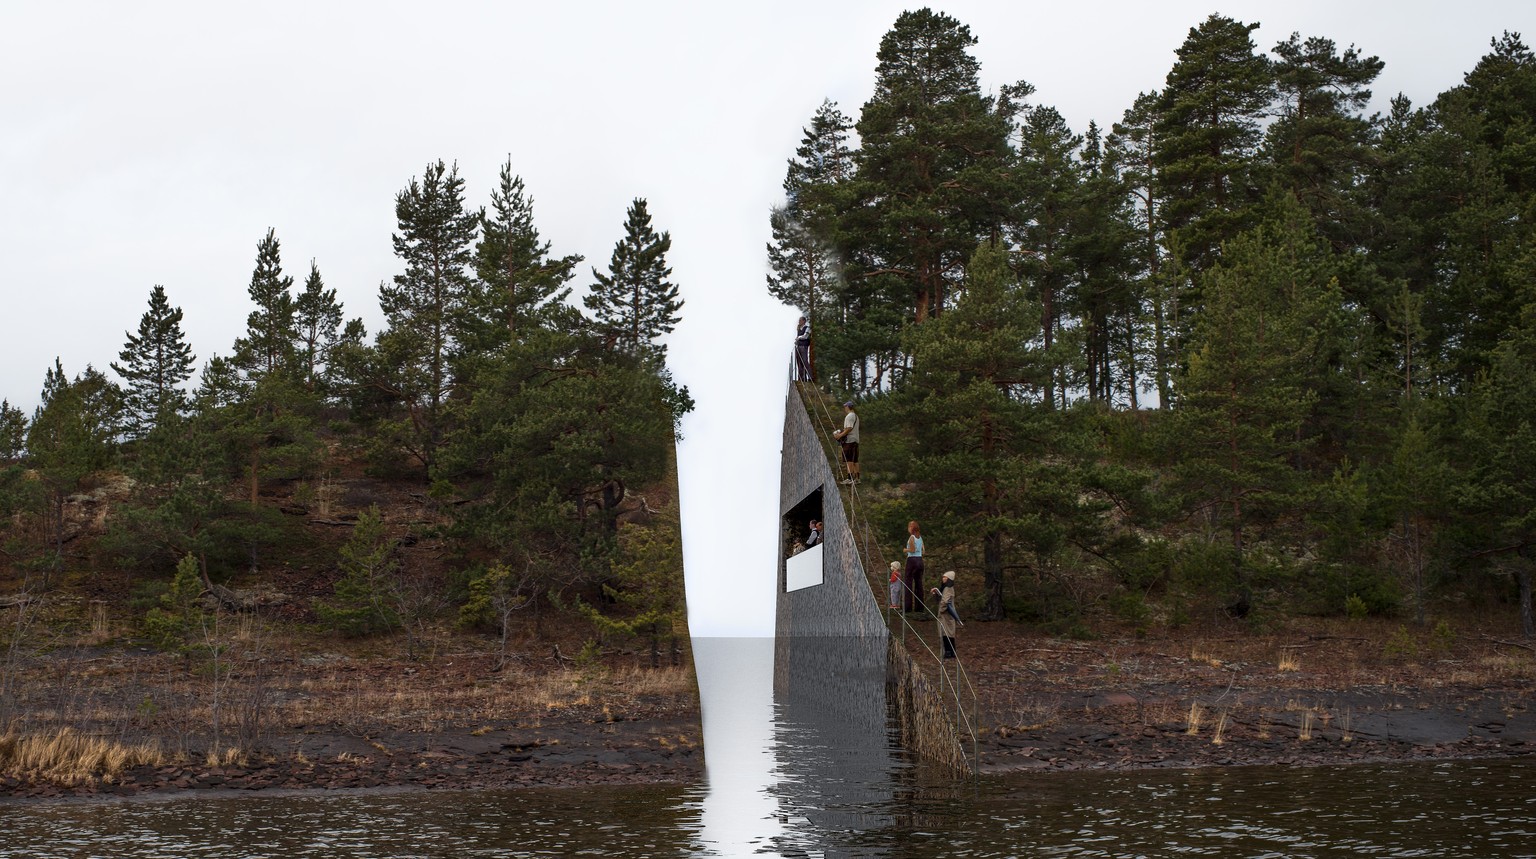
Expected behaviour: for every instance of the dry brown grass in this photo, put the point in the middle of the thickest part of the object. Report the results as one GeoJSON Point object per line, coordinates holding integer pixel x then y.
{"type": "Point", "coordinates": [1161, 713]}
{"type": "Point", "coordinates": [1221, 729]}
{"type": "Point", "coordinates": [68, 757]}
{"type": "Point", "coordinates": [230, 757]}
{"type": "Point", "coordinates": [1196, 717]}
{"type": "Point", "coordinates": [1289, 660]}
{"type": "Point", "coordinates": [1036, 714]}
{"type": "Point", "coordinates": [408, 703]}
{"type": "Point", "coordinates": [1202, 654]}
{"type": "Point", "coordinates": [1494, 669]}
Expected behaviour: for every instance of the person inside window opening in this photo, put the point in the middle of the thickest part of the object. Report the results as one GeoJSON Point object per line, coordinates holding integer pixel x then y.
{"type": "Point", "coordinates": [815, 536]}
{"type": "Point", "coordinates": [848, 437]}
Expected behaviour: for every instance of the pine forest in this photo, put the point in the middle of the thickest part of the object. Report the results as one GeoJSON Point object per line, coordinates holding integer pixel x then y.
{"type": "Point", "coordinates": [1248, 352]}
{"type": "Point", "coordinates": [492, 456]}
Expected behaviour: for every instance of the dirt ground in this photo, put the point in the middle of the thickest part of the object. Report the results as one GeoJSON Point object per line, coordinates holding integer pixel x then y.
{"type": "Point", "coordinates": [1316, 692]}
{"type": "Point", "coordinates": [339, 720]}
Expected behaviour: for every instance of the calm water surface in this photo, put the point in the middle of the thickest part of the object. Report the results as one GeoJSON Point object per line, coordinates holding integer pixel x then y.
{"type": "Point", "coordinates": [798, 775]}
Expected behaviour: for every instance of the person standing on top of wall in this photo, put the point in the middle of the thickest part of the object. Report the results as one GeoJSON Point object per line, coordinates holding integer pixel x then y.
{"type": "Point", "coordinates": [914, 573]}
{"type": "Point", "coordinates": [803, 350]}
{"type": "Point", "coordinates": [848, 437]}
{"type": "Point", "coordinates": [948, 617]}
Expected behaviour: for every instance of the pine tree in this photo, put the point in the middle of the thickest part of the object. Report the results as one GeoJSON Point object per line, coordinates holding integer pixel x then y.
{"type": "Point", "coordinates": [1470, 188]}
{"type": "Point", "coordinates": [559, 428]}
{"type": "Point", "coordinates": [1104, 250]}
{"type": "Point", "coordinates": [1208, 132]}
{"type": "Point", "coordinates": [1501, 89]}
{"type": "Point", "coordinates": [805, 270]}
{"type": "Point", "coordinates": [266, 411]}
{"type": "Point", "coordinates": [1415, 484]}
{"type": "Point", "coordinates": [1249, 385]}
{"type": "Point", "coordinates": [822, 161]}
{"type": "Point", "coordinates": [1498, 490]}
{"type": "Point", "coordinates": [219, 385]}
{"type": "Point", "coordinates": [13, 433]}
{"type": "Point", "coordinates": [155, 363]}
{"type": "Point", "coordinates": [976, 439]}
{"type": "Point", "coordinates": [317, 322]}
{"type": "Point", "coordinates": [1447, 227]}
{"type": "Point", "coordinates": [19, 494]}
{"type": "Point", "coordinates": [173, 624]}
{"type": "Point", "coordinates": [72, 436]}
{"type": "Point", "coordinates": [1319, 140]}
{"type": "Point", "coordinates": [931, 165]}
{"type": "Point", "coordinates": [648, 582]}
{"type": "Point", "coordinates": [426, 307]}
{"type": "Point", "coordinates": [1050, 193]}
{"type": "Point", "coordinates": [1131, 152]}
{"type": "Point", "coordinates": [179, 501]}
{"type": "Point", "coordinates": [267, 346]}
{"type": "Point", "coordinates": [363, 603]}
{"type": "Point", "coordinates": [635, 304]}
{"type": "Point", "coordinates": [520, 283]}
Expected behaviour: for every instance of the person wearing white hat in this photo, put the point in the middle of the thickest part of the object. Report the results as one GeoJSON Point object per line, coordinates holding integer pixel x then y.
{"type": "Point", "coordinates": [948, 617]}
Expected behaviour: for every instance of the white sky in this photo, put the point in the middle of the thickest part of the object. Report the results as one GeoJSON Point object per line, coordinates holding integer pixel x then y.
{"type": "Point", "coordinates": [155, 143]}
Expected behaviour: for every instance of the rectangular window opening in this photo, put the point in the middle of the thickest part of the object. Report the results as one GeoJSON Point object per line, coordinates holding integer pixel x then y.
{"type": "Point", "coordinates": [802, 543]}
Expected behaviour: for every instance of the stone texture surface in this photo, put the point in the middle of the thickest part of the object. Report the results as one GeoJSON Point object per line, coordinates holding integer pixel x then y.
{"type": "Point", "coordinates": [828, 635]}
{"type": "Point", "coordinates": [842, 605]}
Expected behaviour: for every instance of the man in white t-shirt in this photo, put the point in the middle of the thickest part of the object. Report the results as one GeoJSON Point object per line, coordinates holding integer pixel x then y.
{"type": "Point", "coordinates": [848, 437]}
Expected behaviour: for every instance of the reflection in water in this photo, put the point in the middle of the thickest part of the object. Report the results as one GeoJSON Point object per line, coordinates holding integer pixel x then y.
{"type": "Point", "coordinates": [812, 776]}
{"type": "Point", "coordinates": [833, 742]}
{"type": "Point", "coordinates": [617, 822]}
{"type": "Point", "coordinates": [736, 694]}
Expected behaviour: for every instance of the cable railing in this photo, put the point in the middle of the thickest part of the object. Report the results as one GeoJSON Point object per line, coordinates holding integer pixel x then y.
{"type": "Point", "coordinates": [897, 621]}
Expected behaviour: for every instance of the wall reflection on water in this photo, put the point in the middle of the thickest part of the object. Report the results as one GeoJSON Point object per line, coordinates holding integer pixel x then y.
{"type": "Point", "coordinates": [798, 744]}
{"type": "Point", "coordinates": [837, 771]}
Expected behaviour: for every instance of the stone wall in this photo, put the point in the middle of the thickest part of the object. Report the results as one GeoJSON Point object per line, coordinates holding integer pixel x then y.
{"type": "Point", "coordinates": [843, 604]}
{"type": "Point", "coordinates": [827, 635]}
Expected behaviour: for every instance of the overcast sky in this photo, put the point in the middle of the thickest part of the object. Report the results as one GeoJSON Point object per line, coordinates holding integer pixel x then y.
{"type": "Point", "coordinates": [155, 143]}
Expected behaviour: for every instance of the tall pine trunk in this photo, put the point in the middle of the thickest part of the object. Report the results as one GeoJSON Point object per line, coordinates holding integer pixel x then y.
{"type": "Point", "coordinates": [992, 539]}
{"type": "Point", "coordinates": [1527, 619]}
{"type": "Point", "coordinates": [992, 566]}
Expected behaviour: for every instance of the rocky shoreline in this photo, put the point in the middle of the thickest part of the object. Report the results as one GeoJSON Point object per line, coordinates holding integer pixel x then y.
{"type": "Point", "coordinates": [337, 722]}
{"type": "Point", "coordinates": [1312, 697]}
{"type": "Point", "coordinates": [1300, 698]}
{"type": "Point", "coordinates": [1118, 736]}
{"type": "Point", "coordinates": [568, 756]}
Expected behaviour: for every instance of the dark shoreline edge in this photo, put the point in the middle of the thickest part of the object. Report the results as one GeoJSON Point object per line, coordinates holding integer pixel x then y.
{"type": "Point", "coordinates": [592, 755]}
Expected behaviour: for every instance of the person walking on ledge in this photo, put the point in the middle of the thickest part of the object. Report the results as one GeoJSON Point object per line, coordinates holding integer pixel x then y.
{"type": "Point", "coordinates": [948, 617]}
{"type": "Point", "coordinates": [848, 437]}
{"type": "Point", "coordinates": [913, 578]}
